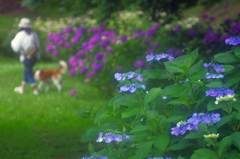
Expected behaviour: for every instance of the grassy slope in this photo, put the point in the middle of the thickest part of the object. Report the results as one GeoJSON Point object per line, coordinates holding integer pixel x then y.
{"type": "Point", "coordinates": [44, 126]}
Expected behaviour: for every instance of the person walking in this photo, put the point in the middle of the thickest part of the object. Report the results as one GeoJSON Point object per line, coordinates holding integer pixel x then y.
{"type": "Point", "coordinates": [24, 41]}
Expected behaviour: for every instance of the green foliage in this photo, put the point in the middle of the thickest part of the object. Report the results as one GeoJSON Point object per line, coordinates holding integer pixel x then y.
{"type": "Point", "coordinates": [148, 117]}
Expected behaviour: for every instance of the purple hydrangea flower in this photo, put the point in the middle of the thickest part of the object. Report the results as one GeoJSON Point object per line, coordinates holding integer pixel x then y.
{"type": "Point", "coordinates": [155, 26]}
{"type": "Point", "coordinates": [224, 37]}
{"type": "Point", "coordinates": [139, 63]}
{"type": "Point", "coordinates": [68, 29]}
{"type": "Point", "coordinates": [228, 20]}
{"type": "Point", "coordinates": [123, 38]}
{"type": "Point", "coordinates": [105, 43]}
{"type": "Point", "coordinates": [80, 53]}
{"type": "Point", "coordinates": [177, 28]}
{"type": "Point", "coordinates": [84, 70]}
{"type": "Point", "coordinates": [210, 38]}
{"type": "Point", "coordinates": [236, 28]}
{"type": "Point", "coordinates": [171, 51]}
{"type": "Point", "coordinates": [192, 33]}
{"type": "Point", "coordinates": [99, 56]}
{"type": "Point", "coordinates": [55, 53]}
{"type": "Point", "coordinates": [67, 45]}
{"type": "Point", "coordinates": [73, 92]}
{"type": "Point", "coordinates": [150, 32]}
{"type": "Point", "coordinates": [72, 72]}
{"type": "Point", "coordinates": [109, 49]}
{"type": "Point", "coordinates": [90, 74]}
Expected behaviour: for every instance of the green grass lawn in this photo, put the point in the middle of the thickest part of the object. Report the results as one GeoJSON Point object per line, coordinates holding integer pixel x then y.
{"type": "Point", "coordinates": [46, 126]}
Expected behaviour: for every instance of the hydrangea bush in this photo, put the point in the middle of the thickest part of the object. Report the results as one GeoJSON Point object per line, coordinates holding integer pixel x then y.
{"type": "Point", "coordinates": [184, 115]}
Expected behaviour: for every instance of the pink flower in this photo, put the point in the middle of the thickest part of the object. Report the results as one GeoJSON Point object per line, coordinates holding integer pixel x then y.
{"type": "Point", "coordinates": [73, 92]}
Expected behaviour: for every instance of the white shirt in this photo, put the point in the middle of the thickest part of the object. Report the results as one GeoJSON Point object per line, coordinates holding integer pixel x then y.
{"type": "Point", "coordinates": [23, 41]}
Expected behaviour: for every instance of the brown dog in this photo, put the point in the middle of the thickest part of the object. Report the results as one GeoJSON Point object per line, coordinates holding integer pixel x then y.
{"type": "Point", "coordinates": [55, 75]}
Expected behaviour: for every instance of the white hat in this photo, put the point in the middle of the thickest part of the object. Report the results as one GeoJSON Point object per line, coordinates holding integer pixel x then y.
{"type": "Point", "coordinates": [24, 23]}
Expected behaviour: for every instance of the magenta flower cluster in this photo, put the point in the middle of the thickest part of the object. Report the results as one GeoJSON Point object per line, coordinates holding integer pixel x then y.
{"type": "Point", "coordinates": [159, 57]}
{"type": "Point", "coordinates": [193, 122]}
{"type": "Point", "coordinates": [100, 39]}
{"type": "Point", "coordinates": [111, 137]}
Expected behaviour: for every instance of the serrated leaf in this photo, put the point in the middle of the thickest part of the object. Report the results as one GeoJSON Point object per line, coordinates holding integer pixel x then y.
{"type": "Point", "coordinates": [204, 154]}
{"type": "Point", "coordinates": [236, 139]}
{"type": "Point", "coordinates": [180, 145]}
{"type": "Point", "coordinates": [100, 115]}
{"type": "Point", "coordinates": [196, 68]}
{"type": "Point", "coordinates": [140, 128]}
{"type": "Point", "coordinates": [174, 90]}
{"type": "Point", "coordinates": [91, 148]}
{"type": "Point", "coordinates": [224, 144]}
{"type": "Point", "coordinates": [197, 75]}
{"type": "Point", "coordinates": [224, 120]}
{"type": "Point", "coordinates": [237, 51]}
{"type": "Point", "coordinates": [161, 142]}
{"type": "Point", "coordinates": [226, 58]}
{"type": "Point", "coordinates": [214, 84]}
{"type": "Point", "coordinates": [130, 112]}
{"type": "Point", "coordinates": [194, 135]}
{"type": "Point", "coordinates": [152, 94]}
{"type": "Point", "coordinates": [143, 149]}
{"type": "Point", "coordinates": [155, 74]}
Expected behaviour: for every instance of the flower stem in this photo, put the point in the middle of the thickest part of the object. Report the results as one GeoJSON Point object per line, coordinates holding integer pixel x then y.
{"type": "Point", "coordinates": [227, 108]}
{"type": "Point", "coordinates": [117, 149]}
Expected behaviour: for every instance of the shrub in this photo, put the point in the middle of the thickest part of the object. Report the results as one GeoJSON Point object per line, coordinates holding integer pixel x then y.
{"type": "Point", "coordinates": [191, 112]}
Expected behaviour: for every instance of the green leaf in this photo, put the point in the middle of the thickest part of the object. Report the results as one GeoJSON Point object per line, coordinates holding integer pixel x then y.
{"type": "Point", "coordinates": [237, 51]}
{"type": "Point", "coordinates": [84, 113]}
{"type": "Point", "coordinates": [153, 115]}
{"type": "Point", "coordinates": [228, 68]}
{"type": "Point", "coordinates": [224, 120]}
{"type": "Point", "coordinates": [233, 78]}
{"type": "Point", "coordinates": [225, 58]}
{"type": "Point", "coordinates": [100, 115]}
{"type": "Point", "coordinates": [152, 94]}
{"type": "Point", "coordinates": [212, 106]}
{"type": "Point", "coordinates": [130, 112]}
{"type": "Point", "coordinates": [214, 84]}
{"type": "Point", "coordinates": [204, 154]}
{"type": "Point", "coordinates": [140, 128]}
{"type": "Point", "coordinates": [197, 75]}
{"type": "Point", "coordinates": [236, 139]}
{"type": "Point", "coordinates": [91, 148]}
{"type": "Point", "coordinates": [196, 68]}
{"type": "Point", "coordinates": [224, 144]}
{"type": "Point", "coordinates": [176, 102]}
{"type": "Point", "coordinates": [175, 90]}
{"type": "Point", "coordinates": [194, 135]}
{"type": "Point", "coordinates": [161, 142]}
{"type": "Point", "coordinates": [155, 74]}
{"type": "Point", "coordinates": [143, 149]}
{"type": "Point", "coordinates": [180, 145]}
{"type": "Point", "coordinates": [173, 67]}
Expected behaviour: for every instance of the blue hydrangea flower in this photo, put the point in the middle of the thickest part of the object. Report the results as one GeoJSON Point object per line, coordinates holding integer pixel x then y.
{"type": "Point", "coordinates": [128, 75]}
{"type": "Point", "coordinates": [221, 94]}
{"type": "Point", "coordinates": [131, 88]}
{"type": "Point", "coordinates": [111, 136]}
{"type": "Point", "coordinates": [214, 71]}
{"type": "Point", "coordinates": [150, 57]}
{"type": "Point", "coordinates": [118, 76]}
{"type": "Point", "coordinates": [193, 122]}
{"type": "Point", "coordinates": [159, 57]}
{"type": "Point", "coordinates": [158, 158]}
{"type": "Point", "coordinates": [233, 40]}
